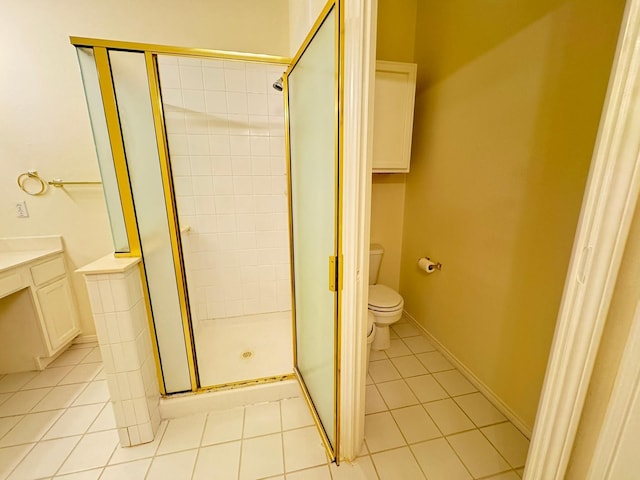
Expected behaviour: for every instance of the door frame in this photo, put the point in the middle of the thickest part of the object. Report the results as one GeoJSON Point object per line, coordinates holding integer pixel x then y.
{"type": "Point", "coordinates": [608, 207]}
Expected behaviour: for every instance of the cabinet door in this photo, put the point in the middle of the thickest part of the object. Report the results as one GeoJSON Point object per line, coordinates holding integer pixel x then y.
{"type": "Point", "coordinates": [395, 92]}
{"type": "Point", "coordinates": [58, 312]}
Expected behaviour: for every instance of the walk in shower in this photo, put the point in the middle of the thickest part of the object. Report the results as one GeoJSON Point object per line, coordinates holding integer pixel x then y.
{"type": "Point", "coordinates": [225, 130]}
{"type": "Point", "coordinates": [229, 190]}
{"type": "Point", "coordinates": [192, 153]}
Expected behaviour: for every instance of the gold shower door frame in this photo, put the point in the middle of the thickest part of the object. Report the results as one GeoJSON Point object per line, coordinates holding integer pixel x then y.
{"type": "Point", "coordinates": [101, 50]}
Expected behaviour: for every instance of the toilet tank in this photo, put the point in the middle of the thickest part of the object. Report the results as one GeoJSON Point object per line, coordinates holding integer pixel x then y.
{"type": "Point", "coordinates": [375, 259]}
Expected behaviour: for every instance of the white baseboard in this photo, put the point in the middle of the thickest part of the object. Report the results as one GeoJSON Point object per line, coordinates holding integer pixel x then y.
{"type": "Point", "coordinates": [479, 384]}
{"type": "Point", "coordinates": [86, 339]}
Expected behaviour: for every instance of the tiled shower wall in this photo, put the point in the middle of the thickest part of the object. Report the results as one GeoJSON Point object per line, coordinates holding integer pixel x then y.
{"type": "Point", "coordinates": [225, 126]}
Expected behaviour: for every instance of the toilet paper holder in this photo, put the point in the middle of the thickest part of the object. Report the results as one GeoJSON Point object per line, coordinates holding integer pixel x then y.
{"type": "Point", "coordinates": [428, 265]}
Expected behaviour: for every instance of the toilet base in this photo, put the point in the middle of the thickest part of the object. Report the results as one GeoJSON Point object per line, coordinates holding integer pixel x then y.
{"type": "Point", "coordinates": [382, 340]}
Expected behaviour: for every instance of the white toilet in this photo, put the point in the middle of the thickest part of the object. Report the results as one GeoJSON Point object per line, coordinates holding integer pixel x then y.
{"type": "Point", "coordinates": [384, 303]}
{"type": "Point", "coordinates": [371, 334]}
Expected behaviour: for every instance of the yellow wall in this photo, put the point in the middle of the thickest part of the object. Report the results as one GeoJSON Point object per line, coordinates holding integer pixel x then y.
{"type": "Point", "coordinates": [44, 123]}
{"type": "Point", "coordinates": [614, 338]}
{"type": "Point", "coordinates": [502, 143]}
{"type": "Point", "coordinates": [395, 42]}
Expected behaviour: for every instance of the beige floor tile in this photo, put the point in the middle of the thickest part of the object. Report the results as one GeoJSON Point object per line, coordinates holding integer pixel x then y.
{"type": "Point", "coordinates": [373, 402]}
{"type": "Point", "coordinates": [92, 451]}
{"type": "Point", "coordinates": [23, 401]}
{"type": "Point", "coordinates": [405, 329]}
{"type": "Point", "coordinates": [511, 444]}
{"type": "Point", "coordinates": [316, 473]}
{"type": "Point", "coordinates": [361, 469]}
{"type": "Point", "coordinates": [303, 448]}
{"type": "Point", "coordinates": [182, 433]}
{"type": "Point", "coordinates": [479, 409]}
{"type": "Point", "coordinates": [261, 457]}
{"type": "Point", "coordinates": [138, 452]}
{"type": "Point", "coordinates": [223, 426]}
{"type": "Point", "coordinates": [82, 373]}
{"type": "Point", "coordinates": [419, 344]}
{"type": "Point", "coordinates": [47, 378]}
{"type": "Point", "coordinates": [397, 348]}
{"type": "Point", "coordinates": [397, 394]}
{"type": "Point", "coordinates": [7, 424]}
{"type": "Point", "coordinates": [218, 461]}
{"type": "Point", "coordinates": [397, 464]}
{"type": "Point", "coordinates": [31, 428]}
{"type": "Point", "coordinates": [439, 461]}
{"type": "Point", "coordinates": [95, 392]}
{"type": "Point", "coordinates": [74, 421]}
{"type": "Point", "coordinates": [434, 361]}
{"type": "Point", "coordinates": [478, 455]}
{"type": "Point", "coordinates": [261, 419]}
{"type": "Point", "coordinates": [295, 413]}
{"type": "Point", "coordinates": [175, 466]}
{"type": "Point", "coordinates": [61, 396]}
{"type": "Point", "coordinates": [104, 421]}
{"type": "Point", "coordinates": [377, 355]}
{"type": "Point", "coordinates": [454, 382]}
{"type": "Point", "coordinates": [409, 366]}
{"type": "Point", "coordinates": [13, 382]}
{"type": "Point", "coordinates": [504, 476]}
{"type": "Point", "coordinates": [44, 459]}
{"type": "Point", "coordinates": [127, 471]}
{"type": "Point", "coordinates": [448, 416]}
{"type": "Point", "coordinates": [426, 388]}
{"type": "Point", "coordinates": [11, 456]}
{"type": "Point", "coordinates": [72, 356]}
{"type": "Point", "coordinates": [415, 424]}
{"type": "Point", "coordinates": [86, 475]}
{"type": "Point", "coordinates": [381, 432]}
{"type": "Point", "coordinates": [383, 371]}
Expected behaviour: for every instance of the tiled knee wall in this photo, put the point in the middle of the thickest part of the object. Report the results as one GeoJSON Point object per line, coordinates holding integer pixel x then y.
{"type": "Point", "coordinates": [120, 317]}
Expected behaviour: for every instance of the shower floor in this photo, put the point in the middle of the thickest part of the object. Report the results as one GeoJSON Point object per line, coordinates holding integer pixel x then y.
{"type": "Point", "coordinates": [244, 348]}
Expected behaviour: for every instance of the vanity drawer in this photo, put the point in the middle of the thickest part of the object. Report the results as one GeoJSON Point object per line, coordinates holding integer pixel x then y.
{"type": "Point", "coordinates": [10, 283]}
{"type": "Point", "coordinates": [46, 271]}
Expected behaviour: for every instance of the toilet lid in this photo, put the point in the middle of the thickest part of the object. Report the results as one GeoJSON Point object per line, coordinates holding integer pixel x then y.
{"type": "Point", "coordinates": [383, 297]}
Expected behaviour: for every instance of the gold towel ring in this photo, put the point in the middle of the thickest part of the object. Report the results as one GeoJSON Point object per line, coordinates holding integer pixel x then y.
{"type": "Point", "coordinates": [40, 184]}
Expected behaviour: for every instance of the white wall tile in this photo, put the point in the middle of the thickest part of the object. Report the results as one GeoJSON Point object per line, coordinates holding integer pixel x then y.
{"type": "Point", "coordinates": [215, 102]}
{"type": "Point", "coordinates": [198, 145]}
{"type": "Point", "coordinates": [219, 144]}
{"type": "Point", "coordinates": [257, 104]}
{"type": "Point", "coordinates": [237, 102]}
{"type": "Point", "coordinates": [194, 100]}
{"type": "Point", "coordinates": [213, 79]}
{"type": "Point", "coordinates": [242, 186]}
{"type": "Point", "coordinates": [191, 77]}
{"type": "Point", "coordinates": [240, 145]}
{"type": "Point", "coordinates": [239, 124]}
{"type": "Point", "coordinates": [169, 76]}
{"type": "Point", "coordinates": [221, 165]}
{"type": "Point", "coordinates": [235, 79]}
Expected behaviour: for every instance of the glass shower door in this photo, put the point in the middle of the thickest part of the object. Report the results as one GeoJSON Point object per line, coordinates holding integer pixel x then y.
{"type": "Point", "coordinates": [313, 94]}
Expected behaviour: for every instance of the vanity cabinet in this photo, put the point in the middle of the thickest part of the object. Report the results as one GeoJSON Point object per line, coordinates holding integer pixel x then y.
{"type": "Point", "coordinates": [395, 91]}
{"type": "Point", "coordinates": [56, 305]}
{"type": "Point", "coordinates": [38, 316]}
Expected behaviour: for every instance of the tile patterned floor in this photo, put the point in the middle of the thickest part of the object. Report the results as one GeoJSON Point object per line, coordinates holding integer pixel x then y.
{"type": "Point", "coordinates": [424, 420]}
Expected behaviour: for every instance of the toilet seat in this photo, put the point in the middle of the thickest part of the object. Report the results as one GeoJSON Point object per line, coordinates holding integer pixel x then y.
{"type": "Point", "coordinates": [384, 299]}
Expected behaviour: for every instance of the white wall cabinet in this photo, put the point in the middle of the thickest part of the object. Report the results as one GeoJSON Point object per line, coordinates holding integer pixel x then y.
{"type": "Point", "coordinates": [395, 92]}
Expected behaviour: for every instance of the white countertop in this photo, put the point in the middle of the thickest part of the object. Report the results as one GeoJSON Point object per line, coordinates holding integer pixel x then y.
{"type": "Point", "coordinates": [16, 251]}
{"type": "Point", "coordinates": [9, 260]}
